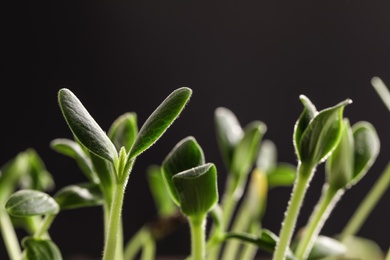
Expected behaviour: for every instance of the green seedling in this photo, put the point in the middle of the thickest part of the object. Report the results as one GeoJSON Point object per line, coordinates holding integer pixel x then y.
{"type": "Point", "coordinates": [184, 186]}
{"type": "Point", "coordinates": [192, 184]}
{"type": "Point", "coordinates": [316, 135]}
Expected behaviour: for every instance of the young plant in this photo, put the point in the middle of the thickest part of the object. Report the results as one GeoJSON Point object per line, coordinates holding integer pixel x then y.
{"type": "Point", "coordinates": [316, 135]}
{"type": "Point", "coordinates": [355, 153]}
{"type": "Point", "coordinates": [192, 184]}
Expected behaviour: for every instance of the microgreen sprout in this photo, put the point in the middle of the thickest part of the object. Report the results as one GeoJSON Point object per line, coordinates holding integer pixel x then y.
{"type": "Point", "coordinates": [184, 185]}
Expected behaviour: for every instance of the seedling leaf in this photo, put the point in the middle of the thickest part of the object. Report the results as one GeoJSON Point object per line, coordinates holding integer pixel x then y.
{"type": "Point", "coordinates": [84, 127]}
{"type": "Point", "coordinates": [197, 189]}
{"type": "Point", "coordinates": [124, 131]}
{"type": "Point", "coordinates": [246, 151]}
{"type": "Point", "coordinates": [185, 155]}
{"type": "Point", "coordinates": [42, 249]}
{"type": "Point", "coordinates": [73, 150]}
{"type": "Point", "coordinates": [228, 132]}
{"type": "Point", "coordinates": [159, 121]}
{"type": "Point", "coordinates": [30, 203]}
{"type": "Point", "coordinates": [321, 135]}
{"type": "Point", "coordinates": [79, 196]}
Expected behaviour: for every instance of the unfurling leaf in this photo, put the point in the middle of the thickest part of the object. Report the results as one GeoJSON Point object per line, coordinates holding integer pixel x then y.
{"type": "Point", "coordinates": [124, 131]}
{"type": "Point", "coordinates": [316, 136]}
{"type": "Point", "coordinates": [185, 155]}
{"type": "Point", "coordinates": [197, 189]}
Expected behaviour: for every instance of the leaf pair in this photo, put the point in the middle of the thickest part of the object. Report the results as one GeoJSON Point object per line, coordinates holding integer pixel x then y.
{"type": "Point", "coordinates": [317, 133]}
{"type": "Point", "coordinates": [89, 133]}
{"type": "Point", "coordinates": [26, 202]}
{"type": "Point", "coordinates": [191, 182]}
{"type": "Point", "coordinates": [238, 146]}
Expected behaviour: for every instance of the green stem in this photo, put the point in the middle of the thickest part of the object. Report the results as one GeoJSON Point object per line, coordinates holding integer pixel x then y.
{"type": "Point", "coordinates": [9, 236]}
{"type": "Point", "coordinates": [317, 220]}
{"type": "Point", "coordinates": [368, 203]}
{"type": "Point", "coordinates": [45, 225]}
{"type": "Point", "coordinates": [249, 250]}
{"type": "Point", "coordinates": [241, 223]}
{"type": "Point", "coordinates": [135, 243]}
{"type": "Point", "coordinates": [304, 176]}
{"type": "Point", "coordinates": [228, 206]}
{"type": "Point", "coordinates": [114, 222]}
{"type": "Point", "coordinates": [198, 240]}
{"type": "Point", "coordinates": [149, 248]}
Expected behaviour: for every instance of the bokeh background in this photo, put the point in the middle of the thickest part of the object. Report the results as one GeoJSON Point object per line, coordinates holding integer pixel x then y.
{"type": "Point", "coordinates": [253, 57]}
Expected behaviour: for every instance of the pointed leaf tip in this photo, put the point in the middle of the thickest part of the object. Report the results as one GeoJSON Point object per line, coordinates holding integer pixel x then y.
{"type": "Point", "coordinates": [84, 127]}
{"type": "Point", "coordinates": [160, 120]}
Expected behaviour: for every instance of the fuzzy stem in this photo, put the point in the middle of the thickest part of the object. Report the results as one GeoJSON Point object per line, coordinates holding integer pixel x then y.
{"type": "Point", "coordinates": [9, 236]}
{"type": "Point", "coordinates": [317, 220]}
{"type": "Point", "coordinates": [304, 176]}
{"type": "Point", "coordinates": [198, 240]}
{"type": "Point", "coordinates": [367, 204]}
{"type": "Point", "coordinates": [114, 223]}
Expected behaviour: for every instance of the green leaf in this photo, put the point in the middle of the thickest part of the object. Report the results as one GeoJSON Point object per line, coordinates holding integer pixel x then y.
{"type": "Point", "coordinates": [325, 247]}
{"type": "Point", "coordinates": [321, 135]}
{"type": "Point", "coordinates": [339, 166]}
{"type": "Point", "coordinates": [246, 151]}
{"type": "Point", "coordinates": [309, 112]}
{"type": "Point", "coordinates": [30, 203]}
{"type": "Point", "coordinates": [84, 127]}
{"type": "Point", "coordinates": [124, 131]}
{"type": "Point", "coordinates": [367, 146]}
{"type": "Point", "coordinates": [354, 155]}
{"type": "Point", "coordinates": [159, 121]}
{"type": "Point", "coordinates": [267, 156]}
{"type": "Point", "coordinates": [11, 174]}
{"type": "Point", "coordinates": [37, 177]}
{"type": "Point", "coordinates": [73, 150]}
{"type": "Point", "coordinates": [197, 189]}
{"type": "Point", "coordinates": [283, 175]}
{"type": "Point", "coordinates": [40, 249]}
{"type": "Point", "coordinates": [185, 155]}
{"type": "Point", "coordinates": [162, 200]}
{"type": "Point", "coordinates": [79, 196]}
{"type": "Point", "coordinates": [228, 132]}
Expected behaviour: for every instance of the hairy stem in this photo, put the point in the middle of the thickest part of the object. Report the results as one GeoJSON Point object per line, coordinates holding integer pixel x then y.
{"type": "Point", "coordinates": [114, 223]}
{"type": "Point", "coordinates": [317, 220]}
{"type": "Point", "coordinates": [368, 203]}
{"type": "Point", "coordinates": [304, 176]}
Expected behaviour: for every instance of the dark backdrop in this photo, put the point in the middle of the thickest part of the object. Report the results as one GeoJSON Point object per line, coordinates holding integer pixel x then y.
{"type": "Point", "coordinates": [253, 57]}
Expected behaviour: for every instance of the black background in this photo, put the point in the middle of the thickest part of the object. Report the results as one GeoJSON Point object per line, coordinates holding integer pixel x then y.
{"type": "Point", "coordinates": [253, 57]}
